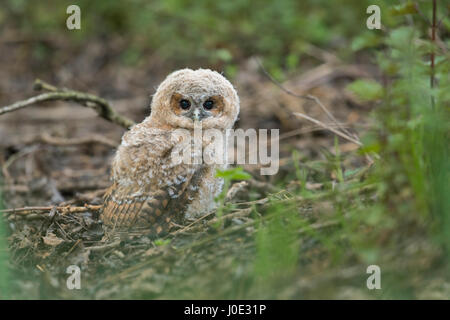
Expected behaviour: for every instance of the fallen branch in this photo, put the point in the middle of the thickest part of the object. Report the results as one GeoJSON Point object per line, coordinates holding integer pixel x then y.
{"type": "Point", "coordinates": [235, 189]}
{"type": "Point", "coordinates": [13, 158]}
{"type": "Point", "coordinates": [339, 133]}
{"type": "Point", "coordinates": [48, 139]}
{"type": "Point", "coordinates": [307, 97]}
{"type": "Point", "coordinates": [62, 210]}
{"type": "Point", "coordinates": [104, 247]}
{"type": "Point", "coordinates": [100, 105]}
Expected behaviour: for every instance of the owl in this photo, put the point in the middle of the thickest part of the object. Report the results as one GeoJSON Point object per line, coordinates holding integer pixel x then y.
{"type": "Point", "coordinates": [150, 193]}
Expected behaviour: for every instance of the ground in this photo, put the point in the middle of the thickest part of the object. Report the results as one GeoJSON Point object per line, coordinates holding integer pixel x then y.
{"type": "Point", "coordinates": [58, 154]}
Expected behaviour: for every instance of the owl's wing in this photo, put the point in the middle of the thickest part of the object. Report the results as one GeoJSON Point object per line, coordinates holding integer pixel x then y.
{"type": "Point", "coordinates": [155, 205]}
{"type": "Point", "coordinates": [152, 210]}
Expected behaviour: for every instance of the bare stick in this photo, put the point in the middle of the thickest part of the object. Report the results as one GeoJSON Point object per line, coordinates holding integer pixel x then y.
{"type": "Point", "coordinates": [104, 247]}
{"type": "Point", "coordinates": [339, 133]}
{"type": "Point", "coordinates": [307, 97]}
{"type": "Point", "coordinates": [48, 139]}
{"type": "Point", "coordinates": [62, 210]}
{"type": "Point", "coordinates": [22, 104]}
{"type": "Point", "coordinates": [13, 158]}
{"type": "Point", "coordinates": [300, 131]}
{"type": "Point", "coordinates": [100, 105]}
{"type": "Point", "coordinates": [235, 189]}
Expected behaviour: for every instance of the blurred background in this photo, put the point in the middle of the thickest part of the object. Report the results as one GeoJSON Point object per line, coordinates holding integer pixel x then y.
{"type": "Point", "coordinates": [334, 208]}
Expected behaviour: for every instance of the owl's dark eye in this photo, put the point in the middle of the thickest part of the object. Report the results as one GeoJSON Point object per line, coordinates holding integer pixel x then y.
{"type": "Point", "coordinates": [185, 104]}
{"type": "Point", "coordinates": [208, 104]}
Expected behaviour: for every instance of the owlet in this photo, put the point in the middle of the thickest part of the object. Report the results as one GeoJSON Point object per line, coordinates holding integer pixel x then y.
{"type": "Point", "coordinates": [151, 192]}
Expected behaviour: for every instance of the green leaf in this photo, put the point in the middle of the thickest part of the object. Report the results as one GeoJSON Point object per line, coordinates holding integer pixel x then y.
{"type": "Point", "coordinates": [366, 90]}
{"type": "Point", "coordinates": [401, 38]}
{"type": "Point", "coordinates": [161, 242]}
{"type": "Point", "coordinates": [351, 172]}
{"type": "Point", "coordinates": [224, 55]}
{"type": "Point", "coordinates": [366, 40]}
{"type": "Point", "coordinates": [404, 9]}
{"type": "Point", "coordinates": [233, 174]}
{"type": "Point", "coordinates": [292, 61]}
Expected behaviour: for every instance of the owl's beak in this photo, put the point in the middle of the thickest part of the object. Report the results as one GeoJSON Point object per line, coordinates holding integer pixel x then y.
{"type": "Point", "coordinates": [198, 114]}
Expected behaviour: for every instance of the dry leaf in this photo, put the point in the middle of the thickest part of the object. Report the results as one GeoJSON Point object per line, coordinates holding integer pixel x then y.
{"type": "Point", "coordinates": [52, 240]}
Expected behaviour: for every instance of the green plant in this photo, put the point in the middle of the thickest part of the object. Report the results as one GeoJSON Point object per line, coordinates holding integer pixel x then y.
{"type": "Point", "coordinates": [161, 242]}
{"type": "Point", "coordinates": [228, 175]}
{"type": "Point", "coordinates": [201, 32]}
{"type": "Point", "coordinates": [4, 269]}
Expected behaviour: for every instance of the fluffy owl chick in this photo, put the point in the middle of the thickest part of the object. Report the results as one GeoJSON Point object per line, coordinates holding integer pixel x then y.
{"type": "Point", "coordinates": [150, 192]}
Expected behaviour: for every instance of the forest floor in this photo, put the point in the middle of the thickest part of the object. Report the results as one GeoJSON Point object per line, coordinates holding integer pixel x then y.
{"type": "Point", "coordinates": [58, 154]}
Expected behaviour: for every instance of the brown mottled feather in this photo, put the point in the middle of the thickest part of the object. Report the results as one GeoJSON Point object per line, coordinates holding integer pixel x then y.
{"type": "Point", "coordinates": [153, 215]}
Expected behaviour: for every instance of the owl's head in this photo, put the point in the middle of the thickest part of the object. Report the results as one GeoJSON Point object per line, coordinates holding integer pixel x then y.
{"type": "Point", "coordinates": [186, 96]}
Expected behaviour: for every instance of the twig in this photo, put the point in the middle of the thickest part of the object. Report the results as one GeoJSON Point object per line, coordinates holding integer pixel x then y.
{"type": "Point", "coordinates": [73, 247]}
{"type": "Point", "coordinates": [104, 247]}
{"type": "Point", "coordinates": [264, 204]}
{"type": "Point", "coordinates": [301, 131]}
{"type": "Point", "coordinates": [20, 188]}
{"type": "Point", "coordinates": [136, 267]}
{"type": "Point", "coordinates": [339, 133]}
{"type": "Point", "coordinates": [343, 133]}
{"type": "Point", "coordinates": [262, 185]}
{"type": "Point", "coordinates": [235, 189]}
{"type": "Point", "coordinates": [48, 139]}
{"type": "Point", "coordinates": [22, 104]}
{"type": "Point", "coordinates": [62, 210]}
{"type": "Point", "coordinates": [86, 197]}
{"type": "Point", "coordinates": [100, 105]}
{"type": "Point", "coordinates": [189, 226]}
{"type": "Point", "coordinates": [235, 214]}
{"type": "Point", "coordinates": [307, 97]}
{"type": "Point", "coordinates": [326, 56]}
{"type": "Point", "coordinates": [13, 158]}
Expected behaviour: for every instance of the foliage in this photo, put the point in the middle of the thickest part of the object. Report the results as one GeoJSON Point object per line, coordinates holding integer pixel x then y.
{"type": "Point", "coordinates": [4, 271]}
{"type": "Point", "coordinates": [411, 177]}
{"type": "Point", "coordinates": [219, 33]}
{"type": "Point", "coordinates": [228, 175]}
{"type": "Point", "coordinates": [366, 90]}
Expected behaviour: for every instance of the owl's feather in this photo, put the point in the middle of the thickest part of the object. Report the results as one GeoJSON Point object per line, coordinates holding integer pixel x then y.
{"type": "Point", "coordinates": [148, 193]}
{"type": "Point", "coordinates": [154, 212]}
